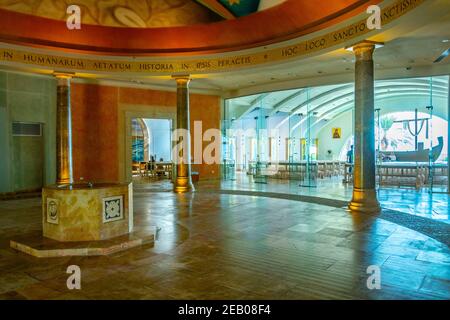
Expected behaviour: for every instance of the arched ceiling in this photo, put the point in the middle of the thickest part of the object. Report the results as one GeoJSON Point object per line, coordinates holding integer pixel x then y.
{"type": "Point", "coordinates": [328, 102]}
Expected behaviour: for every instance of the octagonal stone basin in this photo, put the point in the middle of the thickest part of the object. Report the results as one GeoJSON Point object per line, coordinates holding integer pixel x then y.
{"type": "Point", "coordinates": [87, 212]}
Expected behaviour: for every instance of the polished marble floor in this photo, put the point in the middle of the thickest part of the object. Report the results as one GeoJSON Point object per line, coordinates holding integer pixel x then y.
{"type": "Point", "coordinates": [422, 203]}
{"type": "Point", "coordinates": [224, 246]}
{"type": "Point", "coordinates": [409, 200]}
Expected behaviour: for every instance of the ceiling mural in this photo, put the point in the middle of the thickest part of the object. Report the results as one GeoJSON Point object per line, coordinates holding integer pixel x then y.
{"type": "Point", "coordinates": [141, 13]}
{"type": "Point", "coordinates": [120, 13]}
{"type": "Point", "coordinates": [241, 7]}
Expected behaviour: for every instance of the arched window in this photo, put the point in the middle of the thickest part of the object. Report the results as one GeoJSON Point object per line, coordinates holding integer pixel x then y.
{"type": "Point", "coordinates": [139, 137]}
{"type": "Point", "coordinates": [397, 133]}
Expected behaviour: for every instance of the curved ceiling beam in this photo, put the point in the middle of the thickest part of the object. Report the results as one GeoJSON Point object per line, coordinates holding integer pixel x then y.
{"type": "Point", "coordinates": [336, 112]}
{"type": "Point", "coordinates": [351, 94]}
{"type": "Point", "coordinates": [351, 102]}
{"type": "Point", "coordinates": [322, 95]}
{"type": "Point", "coordinates": [254, 104]}
{"type": "Point", "coordinates": [318, 122]}
{"type": "Point", "coordinates": [380, 96]}
{"type": "Point", "coordinates": [383, 84]}
{"type": "Point", "coordinates": [306, 102]}
{"type": "Point", "coordinates": [442, 83]}
{"type": "Point", "coordinates": [283, 102]}
{"type": "Point", "coordinates": [404, 83]}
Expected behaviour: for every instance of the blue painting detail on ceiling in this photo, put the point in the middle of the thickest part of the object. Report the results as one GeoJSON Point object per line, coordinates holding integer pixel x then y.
{"type": "Point", "coordinates": [240, 8]}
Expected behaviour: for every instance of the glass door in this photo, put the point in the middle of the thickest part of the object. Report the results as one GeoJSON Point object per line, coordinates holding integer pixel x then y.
{"type": "Point", "coordinates": [261, 146]}
{"type": "Point", "coordinates": [310, 162]}
{"type": "Point", "coordinates": [437, 135]}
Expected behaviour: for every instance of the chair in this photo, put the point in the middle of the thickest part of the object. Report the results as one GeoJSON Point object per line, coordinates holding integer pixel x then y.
{"type": "Point", "coordinates": [143, 170]}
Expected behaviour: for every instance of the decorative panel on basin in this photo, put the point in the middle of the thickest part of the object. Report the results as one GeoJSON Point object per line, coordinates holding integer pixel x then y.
{"type": "Point", "coordinates": [87, 212]}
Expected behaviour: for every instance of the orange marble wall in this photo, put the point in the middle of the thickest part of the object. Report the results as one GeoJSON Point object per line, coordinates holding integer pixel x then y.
{"type": "Point", "coordinates": [94, 132]}
{"type": "Point", "coordinates": [148, 97]}
{"type": "Point", "coordinates": [206, 109]}
{"type": "Point", "coordinates": [95, 126]}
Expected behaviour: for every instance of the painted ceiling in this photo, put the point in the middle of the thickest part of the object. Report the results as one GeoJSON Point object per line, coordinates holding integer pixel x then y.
{"type": "Point", "coordinates": [141, 13]}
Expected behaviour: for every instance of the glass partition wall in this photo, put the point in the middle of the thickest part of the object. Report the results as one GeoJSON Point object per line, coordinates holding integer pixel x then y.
{"type": "Point", "coordinates": [305, 136]}
{"type": "Point", "coordinates": [412, 133]}
{"type": "Point", "coordinates": [268, 136]}
{"type": "Point", "coordinates": [229, 148]}
{"type": "Point", "coordinates": [438, 135]}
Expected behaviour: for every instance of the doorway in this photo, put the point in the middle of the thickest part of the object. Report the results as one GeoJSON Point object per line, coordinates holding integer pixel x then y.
{"type": "Point", "coordinates": [151, 149]}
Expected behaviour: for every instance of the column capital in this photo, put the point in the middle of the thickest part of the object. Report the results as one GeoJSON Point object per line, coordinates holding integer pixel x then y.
{"type": "Point", "coordinates": [364, 50]}
{"type": "Point", "coordinates": [182, 80]}
{"type": "Point", "coordinates": [63, 78]}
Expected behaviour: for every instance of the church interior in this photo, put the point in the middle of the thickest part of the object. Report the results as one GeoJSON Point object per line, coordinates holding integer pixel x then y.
{"type": "Point", "coordinates": [224, 150]}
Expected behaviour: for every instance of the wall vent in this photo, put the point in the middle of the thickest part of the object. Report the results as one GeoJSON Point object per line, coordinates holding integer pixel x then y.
{"type": "Point", "coordinates": [26, 129]}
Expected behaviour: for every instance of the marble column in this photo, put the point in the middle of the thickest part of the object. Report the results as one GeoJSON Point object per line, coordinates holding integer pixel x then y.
{"type": "Point", "coordinates": [64, 174]}
{"type": "Point", "coordinates": [183, 180]}
{"type": "Point", "coordinates": [364, 192]}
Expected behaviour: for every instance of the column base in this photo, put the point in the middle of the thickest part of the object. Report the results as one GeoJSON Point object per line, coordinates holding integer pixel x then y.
{"type": "Point", "coordinates": [183, 185]}
{"type": "Point", "coordinates": [63, 182]}
{"type": "Point", "coordinates": [365, 201]}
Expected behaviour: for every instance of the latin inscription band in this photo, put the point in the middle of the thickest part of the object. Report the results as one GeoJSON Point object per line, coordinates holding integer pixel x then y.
{"type": "Point", "coordinates": [334, 38]}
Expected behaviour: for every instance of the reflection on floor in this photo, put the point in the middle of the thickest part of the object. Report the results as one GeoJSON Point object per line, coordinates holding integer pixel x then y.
{"type": "Point", "coordinates": [408, 200]}
{"type": "Point", "coordinates": [216, 246]}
